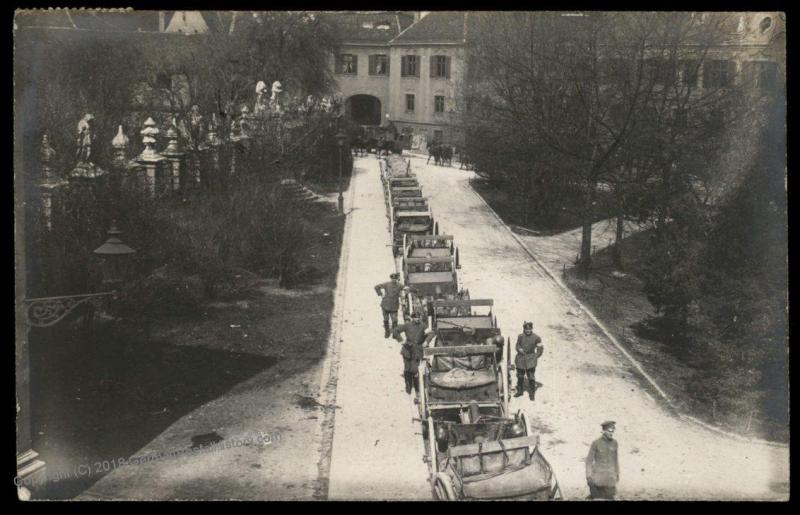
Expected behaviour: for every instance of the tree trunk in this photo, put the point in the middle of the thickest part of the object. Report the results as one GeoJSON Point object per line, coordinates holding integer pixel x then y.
{"type": "Point", "coordinates": [684, 320]}
{"type": "Point", "coordinates": [585, 260]}
{"type": "Point", "coordinates": [617, 253]}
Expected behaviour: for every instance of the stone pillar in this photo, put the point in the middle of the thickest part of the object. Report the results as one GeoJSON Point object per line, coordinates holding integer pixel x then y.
{"type": "Point", "coordinates": [152, 164]}
{"type": "Point", "coordinates": [50, 183]}
{"type": "Point", "coordinates": [119, 160]}
{"type": "Point", "coordinates": [30, 469]}
{"type": "Point", "coordinates": [176, 158]}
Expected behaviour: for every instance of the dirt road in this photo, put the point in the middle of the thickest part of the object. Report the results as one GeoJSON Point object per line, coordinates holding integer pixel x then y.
{"type": "Point", "coordinates": [585, 379]}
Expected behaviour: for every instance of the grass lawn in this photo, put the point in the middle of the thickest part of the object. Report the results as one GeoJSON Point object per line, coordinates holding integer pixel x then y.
{"type": "Point", "coordinates": [680, 366]}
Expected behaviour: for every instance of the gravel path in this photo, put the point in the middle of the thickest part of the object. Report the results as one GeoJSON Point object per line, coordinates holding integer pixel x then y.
{"type": "Point", "coordinates": [586, 380]}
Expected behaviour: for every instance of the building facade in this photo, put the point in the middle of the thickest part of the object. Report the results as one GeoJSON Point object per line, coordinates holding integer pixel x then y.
{"type": "Point", "coordinates": [403, 69]}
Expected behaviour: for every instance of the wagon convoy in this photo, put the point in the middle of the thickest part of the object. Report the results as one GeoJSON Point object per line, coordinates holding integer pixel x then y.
{"type": "Point", "coordinates": [474, 447]}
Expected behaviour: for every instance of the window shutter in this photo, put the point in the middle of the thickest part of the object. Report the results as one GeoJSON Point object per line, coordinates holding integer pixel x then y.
{"type": "Point", "coordinates": [403, 65]}
{"type": "Point", "coordinates": [388, 65]}
{"type": "Point", "coordinates": [432, 65]}
{"type": "Point", "coordinates": [355, 64]}
{"type": "Point", "coordinates": [339, 64]}
{"type": "Point", "coordinates": [372, 65]}
{"type": "Point", "coordinates": [447, 67]}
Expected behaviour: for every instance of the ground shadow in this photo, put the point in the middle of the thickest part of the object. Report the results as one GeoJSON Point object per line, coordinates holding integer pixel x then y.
{"type": "Point", "coordinates": [99, 397]}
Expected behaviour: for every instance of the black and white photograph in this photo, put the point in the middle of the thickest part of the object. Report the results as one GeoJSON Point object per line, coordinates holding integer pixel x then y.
{"type": "Point", "coordinates": [351, 255]}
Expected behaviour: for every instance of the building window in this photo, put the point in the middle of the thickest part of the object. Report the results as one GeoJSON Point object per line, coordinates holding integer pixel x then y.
{"type": "Point", "coordinates": [409, 103]}
{"type": "Point", "coordinates": [689, 72]}
{"type": "Point", "coordinates": [379, 64]}
{"type": "Point", "coordinates": [348, 64]}
{"type": "Point", "coordinates": [438, 136]}
{"type": "Point", "coordinates": [410, 67]}
{"type": "Point", "coordinates": [163, 81]}
{"type": "Point", "coordinates": [762, 75]}
{"type": "Point", "coordinates": [440, 66]}
{"type": "Point", "coordinates": [719, 73]}
{"type": "Point", "coordinates": [660, 71]}
{"type": "Point", "coordinates": [438, 104]}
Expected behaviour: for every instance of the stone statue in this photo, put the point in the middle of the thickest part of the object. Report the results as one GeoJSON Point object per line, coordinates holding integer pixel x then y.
{"type": "Point", "coordinates": [275, 99]}
{"type": "Point", "coordinates": [85, 169]}
{"type": "Point", "coordinates": [85, 137]}
{"type": "Point", "coordinates": [261, 104]}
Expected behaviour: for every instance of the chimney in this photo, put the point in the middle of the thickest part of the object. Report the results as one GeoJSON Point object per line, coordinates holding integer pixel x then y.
{"type": "Point", "coordinates": [161, 27]}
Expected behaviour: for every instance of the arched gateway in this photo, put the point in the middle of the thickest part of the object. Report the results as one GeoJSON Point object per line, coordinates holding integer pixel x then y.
{"type": "Point", "coordinates": [364, 109]}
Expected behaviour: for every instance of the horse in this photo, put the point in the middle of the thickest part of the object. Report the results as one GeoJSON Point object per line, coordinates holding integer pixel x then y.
{"type": "Point", "coordinates": [433, 152]}
{"type": "Point", "coordinates": [446, 155]}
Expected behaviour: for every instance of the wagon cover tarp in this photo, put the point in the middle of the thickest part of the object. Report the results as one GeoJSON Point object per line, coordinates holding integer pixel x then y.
{"type": "Point", "coordinates": [479, 322]}
{"type": "Point", "coordinates": [434, 252]}
{"type": "Point", "coordinates": [430, 277]}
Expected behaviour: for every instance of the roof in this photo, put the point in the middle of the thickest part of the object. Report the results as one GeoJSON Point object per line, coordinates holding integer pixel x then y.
{"type": "Point", "coordinates": [436, 28]}
{"type": "Point", "coordinates": [130, 21]}
{"type": "Point", "coordinates": [375, 27]}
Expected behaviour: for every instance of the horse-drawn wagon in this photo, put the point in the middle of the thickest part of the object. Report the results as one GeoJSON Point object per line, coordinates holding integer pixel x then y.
{"type": "Point", "coordinates": [404, 223]}
{"type": "Point", "coordinates": [428, 278]}
{"type": "Point", "coordinates": [474, 447]}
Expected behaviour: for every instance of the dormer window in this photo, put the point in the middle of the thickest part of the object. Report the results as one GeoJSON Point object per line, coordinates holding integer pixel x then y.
{"type": "Point", "coordinates": [367, 25]}
{"type": "Point", "coordinates": [384, 25]}
{"type": "Point", "coordinates": [765, 24]}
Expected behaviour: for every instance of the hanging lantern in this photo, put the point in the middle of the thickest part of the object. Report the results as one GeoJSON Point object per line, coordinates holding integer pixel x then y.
{"type": "Point", "coordinates": [115, 257]}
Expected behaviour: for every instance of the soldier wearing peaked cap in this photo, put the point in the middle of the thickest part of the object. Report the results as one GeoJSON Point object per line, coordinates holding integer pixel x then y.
{"type": "Point", "coordinates": [416, 339]}
{"type": "Point", "coordinates": [529, 349]}
{"type": "Point", "coordinates": [602, 464]}
{"type": "Point", "coordinates": [390, 302]}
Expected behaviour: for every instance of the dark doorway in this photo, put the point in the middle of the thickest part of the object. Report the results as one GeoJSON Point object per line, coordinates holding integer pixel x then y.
{"type": "Point", "coordinates": [364, 109]}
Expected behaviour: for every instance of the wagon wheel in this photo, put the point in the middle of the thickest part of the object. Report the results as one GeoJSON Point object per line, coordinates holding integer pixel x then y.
{"type": "Point", "coordinates": [432, 446]}
{"type": "Point", "coordinates": [507, 347]}
{"type": "Point", "coordinates": [524, 421]}
{"type": "Point", "coordinates": [505, 372]}
{"type": "Point", "coordinates": [443, 488]}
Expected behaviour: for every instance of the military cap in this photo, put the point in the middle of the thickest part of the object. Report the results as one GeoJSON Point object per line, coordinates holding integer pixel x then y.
{"type": "Point", "coordinates": [527, 325]}
{"type": "Point", "coordinates": [394, 276]}
{"type": "Point", "coordinates": [415, 314]}
{"type": "Point", "coordinates": [608, 423]}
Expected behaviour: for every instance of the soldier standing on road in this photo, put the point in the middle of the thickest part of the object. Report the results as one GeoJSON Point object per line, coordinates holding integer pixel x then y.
{"type": "Point", "coordinates": [529, 349]}
{"type": "Point", "coordinates": [602, 464]}
{"type": "Point", "coordinates": [416, 338]}
{"type": "Point", "coordinates": [391, 301]}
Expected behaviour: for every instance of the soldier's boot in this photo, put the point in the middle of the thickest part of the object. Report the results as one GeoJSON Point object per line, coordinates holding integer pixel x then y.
{"type": "Point", "coordinates": [407, 378]}
{"type": "Point", "coordinates": [520, 386]}
{"type": "Point", "coordinates": [386, 331]}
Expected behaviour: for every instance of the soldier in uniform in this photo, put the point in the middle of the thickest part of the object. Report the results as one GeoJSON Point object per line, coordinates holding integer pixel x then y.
{"type": "Point", "coordinates": [391, 301]}
{"type": "Point", "coordinates": [602, 464]}
{"type": "Point", "coordinates": [529, 349]}
{"type": "Point", "coordinates": [416, 338]}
